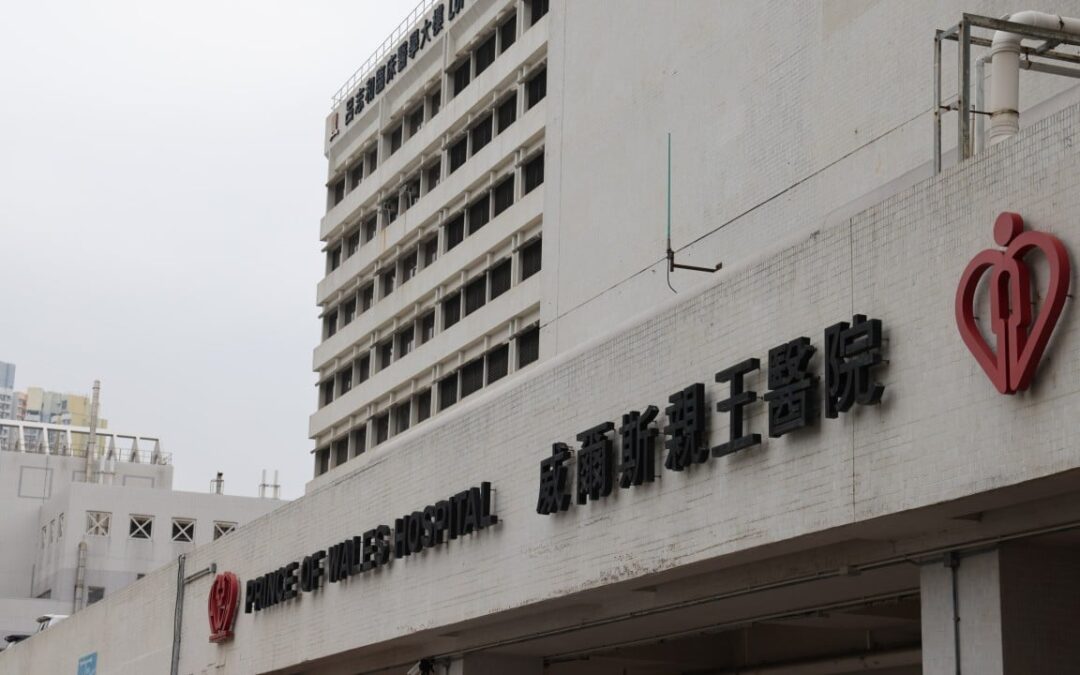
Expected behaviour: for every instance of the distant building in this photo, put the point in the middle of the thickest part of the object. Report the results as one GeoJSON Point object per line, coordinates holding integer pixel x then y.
{"type": "Point", "coordinates": [75, 530]}
{"type": "Point", "coordinates": [7, 375]}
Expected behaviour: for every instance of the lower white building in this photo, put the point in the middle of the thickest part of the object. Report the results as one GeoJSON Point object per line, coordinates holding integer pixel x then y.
{"type": "Point", "coordinates": [69, 543]}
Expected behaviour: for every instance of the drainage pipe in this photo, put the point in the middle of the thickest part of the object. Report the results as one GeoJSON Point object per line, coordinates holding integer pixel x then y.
{"type": "Point", "coordinates": [1005, 70]}
{"type": "Point", "coordinates": [80, 578]}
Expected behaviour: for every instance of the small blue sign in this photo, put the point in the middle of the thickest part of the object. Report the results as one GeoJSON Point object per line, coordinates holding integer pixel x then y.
{"type": "Point", "coordinates": [88, 665]}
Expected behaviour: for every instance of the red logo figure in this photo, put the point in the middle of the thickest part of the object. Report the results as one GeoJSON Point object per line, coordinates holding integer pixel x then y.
{"type": "Point", "coordinates": [224, 599]}
{"type": "Point", "coordinates": [1020, 343]}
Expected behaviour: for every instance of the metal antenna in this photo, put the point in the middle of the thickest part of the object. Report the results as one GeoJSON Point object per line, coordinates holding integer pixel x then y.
{"type": "Point", "coordinates": [672, 265]}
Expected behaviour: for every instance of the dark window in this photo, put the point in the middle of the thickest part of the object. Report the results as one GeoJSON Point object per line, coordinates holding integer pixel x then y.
{"type": "Point", "coordinates": [416, 120]}
{"type": "Point", "coordinates": [436, 101]}
{"type": "Point", "coordinates": [391, 207]}
{"type": "Point", "coordinates": [479, 213]}
{"type": "Point", "coordinates": [408, 266]}
{"type": "Point", "coordinates": [472, 377]}
{"type": "Point", "coordinates": [448, 391]}
{"type": "Point", "coordinates": [412, 192]}
{"type": "Point", "coordinates": [481, 134]}
{"type": "Point", "coordinates": [537, 10]}
{"type": "Point", "coordinates": [367, 297]}
{"type": "Point", "coordinates": [507, 112]}
{"type": "Point", "coordinates": [455, 231]}
{"type": "Point", "coordinates": [401, 416]}
{"type": "Point", "coordinates": [341, 451]}
{"type": "Point", "coordinates": [322, 461]}
{"type": "Point", "coordinates": [387, 284]}
{"type": "Point", "coordinates": [395, 138]}
{"type": "Point", "coordinates": [423, 405]}
{"type": "Point", "coordinates": [370, 228]}
{"type": "Point", "coordinates": [475, 294]}
{"type": "Point", "coordinates": [372, 160]}
{"type": "Point", "coordinates": [534, 173]}
{"type": "Point", "coordinates": [427, 327]}
{"type": "Point", "coordinates": [405, 341]}
{"type": "Point", "coordinates": [326, 392]}
{"type": "Point", "coordinates": [537, 88]}
{"type": "Point", "coordinates": [344, 380]}
{"type": "Point", "coordinates": [461, 77]}
{"type": "Point", "coordinates": [382, 427]}
{"type": "Point", "coordinates": [451, 310]}
{"type": "Point", "coordinates": [333, 258]}
{"type": "Point", "coordinates": [504, 194]}
{"type": "Point", "coordinates": [339, 191]}
{"type": "Point", "coordinates": [434, 172]}
{"type": "Point", "coordinates": [498, 362]}
{"type": "Point", "coordinates": [352, 243]}
{"type": "Point", "coordinates": [348, 311]}
{"type": "Point", "coordinates": [386, 353]}
{"type": "Point", "coordinates": [458, 154]}
{"type": "Point", "coordinates": [356, 173]}
{"type": "Point", "coordinates": [363, 368]}
{"type": "Point", "coordinates": [431, 250]}
{"type": "Point", "coordinates": [330, 323]}
{"type": "Point", "coordinates": [485, 54]}
{"type": "Point", "coordinates": [359, 440]}
{"type": "Point", "coordinates": [508, 32]}
{"type": "Point", "coordinates": [530, 258]}
{"type": "Point", "coordinates": [500, 278]}
{"type": "Point", "coordinates": [528, 346]}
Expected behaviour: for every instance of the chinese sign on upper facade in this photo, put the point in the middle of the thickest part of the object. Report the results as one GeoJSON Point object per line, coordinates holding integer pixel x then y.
{"type": "Point", "coordinates": [399, 59]}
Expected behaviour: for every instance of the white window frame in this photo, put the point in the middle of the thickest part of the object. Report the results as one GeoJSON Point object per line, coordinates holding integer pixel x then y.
{"type": "Point", "coordinates": [183, 530]}
{"type": "Point", "coordinates": [144, 527]}
{"type": "Point", "coordinates": [222, 528]}
{"type": "Point", "coordinates": [98, 523]}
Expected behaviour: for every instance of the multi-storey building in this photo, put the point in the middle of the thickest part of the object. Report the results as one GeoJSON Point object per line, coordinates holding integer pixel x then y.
{"type": "Point", "coordinates": [840, 453]}
{"type": "Point", "coordinates": [434, 222]}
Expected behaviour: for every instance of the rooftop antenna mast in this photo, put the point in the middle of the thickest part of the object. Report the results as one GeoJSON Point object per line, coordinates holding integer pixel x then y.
{"type": "Point", "coordinates": [672, 265]}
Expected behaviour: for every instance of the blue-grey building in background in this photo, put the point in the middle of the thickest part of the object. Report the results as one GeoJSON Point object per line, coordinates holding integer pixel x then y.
{"type": "Point", "coordinates": [7, 375]}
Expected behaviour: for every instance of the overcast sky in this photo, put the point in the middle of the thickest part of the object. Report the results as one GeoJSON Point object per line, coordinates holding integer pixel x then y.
{"type": "Point", "coordinates": [161, 176]}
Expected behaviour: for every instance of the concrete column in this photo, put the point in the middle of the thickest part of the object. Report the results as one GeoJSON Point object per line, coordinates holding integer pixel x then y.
{"type": "Point", "coordinates": [522, 7]}
{"type": "Point", "coordinates": [1015, 608]}
{"type": "Point", "coordinates": [495, 664]}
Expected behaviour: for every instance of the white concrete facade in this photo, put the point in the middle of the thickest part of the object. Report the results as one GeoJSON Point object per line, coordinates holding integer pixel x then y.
{"type": "Point", "coordinates": [48, 508]}
{"type": "Point", "coordinates": [935, 529]}
{"type": "Point", "coordinates": [435, 198]}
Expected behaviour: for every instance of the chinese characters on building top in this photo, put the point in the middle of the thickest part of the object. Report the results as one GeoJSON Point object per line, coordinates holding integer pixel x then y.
{"type": "Point", "coordinates": [399, 59]}
{"type": "Point", "coordinates": [851, 353]}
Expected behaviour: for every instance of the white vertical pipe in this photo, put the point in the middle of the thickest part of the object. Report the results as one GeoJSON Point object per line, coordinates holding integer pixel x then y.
{"type": "Point", "coordinates": [1005, 70]}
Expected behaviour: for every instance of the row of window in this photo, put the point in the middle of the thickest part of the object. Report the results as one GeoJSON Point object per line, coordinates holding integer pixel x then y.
{"type": "Point", "coordinates": [456, 228]}
{"type": "Point", "coordinates": [498, 41]}
{"type": "Point", "coordinates": [99, 524]}
{"type": "Point", "coordinates": [482, 289]}
{"type": "Point", "coordinates": [451, 388]}
{"type": "Point", "coordinates": [428, 177]}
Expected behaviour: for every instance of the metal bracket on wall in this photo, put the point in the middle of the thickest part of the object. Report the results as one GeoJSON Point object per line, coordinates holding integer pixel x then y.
{"type": "Point", "coordinates": [961, 33]}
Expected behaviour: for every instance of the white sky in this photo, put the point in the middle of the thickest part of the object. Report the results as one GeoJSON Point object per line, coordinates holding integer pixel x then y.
{"type": "Point", "coordinates": [161, 176]}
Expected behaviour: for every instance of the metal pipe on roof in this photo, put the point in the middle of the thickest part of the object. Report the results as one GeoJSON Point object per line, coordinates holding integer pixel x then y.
{"type": "Point", "coordinates": [1005, 70]}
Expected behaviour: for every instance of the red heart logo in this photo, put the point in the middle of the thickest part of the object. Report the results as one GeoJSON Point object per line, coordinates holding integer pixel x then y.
{"type": "Point", "coordinates": [1012, 363]}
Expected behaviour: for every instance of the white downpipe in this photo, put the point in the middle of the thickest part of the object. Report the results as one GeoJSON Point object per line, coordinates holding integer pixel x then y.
{"type": "Point", "coordinates": [1005, 70]}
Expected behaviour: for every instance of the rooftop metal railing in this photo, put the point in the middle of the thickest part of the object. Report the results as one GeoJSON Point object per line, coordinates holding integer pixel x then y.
{"type": "Point", "coordinates": [68, 441]}
{"type": "Point", "coordinates": [382, 51]}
